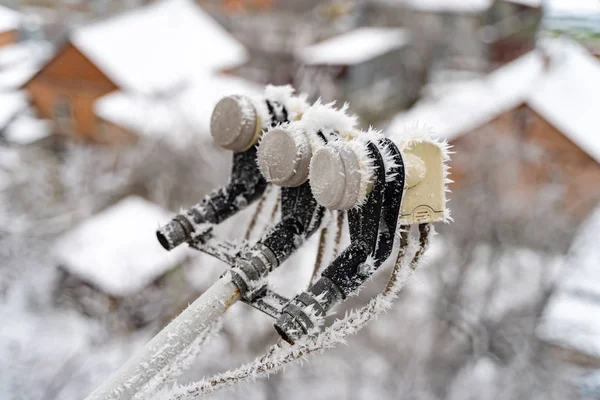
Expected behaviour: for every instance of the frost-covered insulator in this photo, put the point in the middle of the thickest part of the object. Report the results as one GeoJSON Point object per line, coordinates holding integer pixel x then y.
{"type": "Point", "coordinates": [285, 152]}
{"type": "Point", "coordinates": [341, 174]}
{"type": "Point", "coordinates": [284, 156]}
{"type": "Point", "coordinates": [238, 121]}
{"type": "Point", "coordinates": [234, 124]}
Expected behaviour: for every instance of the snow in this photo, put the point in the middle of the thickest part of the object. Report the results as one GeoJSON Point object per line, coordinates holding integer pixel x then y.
{"type": "Point", "coordinates": [472, 104]}
{"type": "Point", "coordinates": [551, 91]}
{"type": "Point", "coordinates": [570, 319]}
{"type": "Point", "coordinates": [570, 7]}
{"type": "Point", "coordinates": [462, 6]}
{"type": "Point", "coordinates": [24, 51]}
{"type": "Point", "coordinates": [568, 103]}
{"type": "Point", "coordinates": [116, 250]}
{"type": "Point", "coordinates": [158, 47]}
{"type": "Point", "coordinates": [26, 129]}
{"type": "Point", "coordinates": [12, 104]}
{"type": "Point", "coordinates": [15, 77]}
{"type": "Point", "coordinates": [189, 110]}
{"type": "Point", "coordinates": [529, 3]}
{"type": "Point", "coordinates": [572, 322]}
{"type": "Point", "coordinates": [20, 61]}
{"type": "Point", "coordinates": [9, 19]}
{"type": "Point", "coordinates": [355, 47]}
{"type": "Point", "coordinates": [584, 275]}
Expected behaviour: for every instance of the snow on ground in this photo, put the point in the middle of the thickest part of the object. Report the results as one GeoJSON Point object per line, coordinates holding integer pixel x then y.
{"type": "Point", "coordinates": [12, 103]}
{"type": "Point", "coordinates": [116, 250]}
{"type": "Point", "coordinates": [355, 47]}
{"type": "Point", "coordinates": [158, 47]}
{"type": "Point", "coordinates": [26, 129]}
{"type": "Point", "coordinates": [571, 317]}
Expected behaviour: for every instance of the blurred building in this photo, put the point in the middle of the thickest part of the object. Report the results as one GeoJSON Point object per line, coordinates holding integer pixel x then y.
{"type": "Point", "coordinates": [375, 69]}
{"type": "Point", "coordinates": [154, 51]}
{"type": "Point", "coordinates": [272, 30]}
{"type": "Point", "coordinates": [20, 61]}
{"type": "Point", "coordinates": [473, 35]}
{"type": "Point", "coordinates": [529, 125]}
{"type": "Point", "coordinates": [112, 264]}
{"type": "Point", "coordinates": [10, 21]}
{"type": "Point", "coordinates": [511, 29]}
{"type": "Point", "coordinates": [570, 323]}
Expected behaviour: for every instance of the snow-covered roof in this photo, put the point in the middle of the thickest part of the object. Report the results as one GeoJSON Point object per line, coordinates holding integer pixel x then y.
{"type": "Point", "coordinates": [564, 93]}
{"type": "Point", "coordinates": [26, 129]}
{"type": "Point", "coordinates": [15, 77]}
{"type": "Point", "coordinates": [184, 113]}
{"type": "Point", "coordinates": [9, 19]}
{"type": "Point", "coordinates": [571, 317]}
{"type": "Point", "coordinates": [470, 105]}
{"type": "Point", "coordinates": [457, 6]}
{"type": "Point", "coordinates": [11, 104]}
{"type": "Point", "coordinates": [158, 46]}
{"type": "Point", "coordinates": [24, 51]}
{"type": "Point", "coordinates": [529, 3]}
{"type": "Point", "coordinates": [116, 250]}
{"type": "Point", "coordinates": [569, 94]}
{"type": "Point", "coordinates": [570, 7]}
{"type": "Point", "coordinates": [354, 47]}
{"type": "Point", "coordinates": [19, 62]}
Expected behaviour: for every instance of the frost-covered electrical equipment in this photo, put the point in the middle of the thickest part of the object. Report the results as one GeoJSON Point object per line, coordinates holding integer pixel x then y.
{"type": "Point", "coordinates": [321, 161]}
{"type": "Point", "coordinates": [236, 124]}
{"type": "Point", "coordinates": [372, 177]}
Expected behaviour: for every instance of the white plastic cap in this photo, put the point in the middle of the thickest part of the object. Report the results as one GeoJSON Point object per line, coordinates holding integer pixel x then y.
{"type": "Point", "coordinates": [335, 177]}
{"type": "Point", "coordinates": [284, 157]}
{"type": "Point", "coordinates": [234, 123]}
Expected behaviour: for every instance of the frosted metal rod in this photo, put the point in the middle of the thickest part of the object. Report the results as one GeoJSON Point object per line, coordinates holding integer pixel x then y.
{"type": "Point", "coordinates": [171, 341]}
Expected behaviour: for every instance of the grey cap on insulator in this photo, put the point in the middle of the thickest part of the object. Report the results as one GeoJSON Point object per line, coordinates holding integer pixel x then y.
{"type": "Point", "coordinates": [335, 177]}
{"type": "Point", "coordinates": [284, 157]}
{"type": "Point", "coordinates": [233, 123]}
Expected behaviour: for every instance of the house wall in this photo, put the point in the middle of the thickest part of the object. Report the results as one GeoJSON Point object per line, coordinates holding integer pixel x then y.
{"type": "Point", "coordinates": [72, 83]}
{"type": "Point", "coordinates": [451, 38]}
{"type": "Point", "coordinates": [8, 37]}
{"type": "Point", "coordinates": [374, 89]}
{"type": "Point", "coordinates": [383, 85]}
{"type": "Point", "coordinates": [516, 26]}
{"type": "Point", "coordinates": [540, 155]}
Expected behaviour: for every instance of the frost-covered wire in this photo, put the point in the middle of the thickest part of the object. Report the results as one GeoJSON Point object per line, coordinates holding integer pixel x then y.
{"type": "Point", "coordinates": [336, 230]}
{"type": "Point", "coordinates": [182, 362]}
{"type": "Point", "coordinates": [257, 212]}
{"type": "Point", "coordinates": [278, 356]}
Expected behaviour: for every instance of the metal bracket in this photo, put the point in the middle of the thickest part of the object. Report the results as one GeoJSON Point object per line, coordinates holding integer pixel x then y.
{"type": "Point", "coordinates": [372, 230]}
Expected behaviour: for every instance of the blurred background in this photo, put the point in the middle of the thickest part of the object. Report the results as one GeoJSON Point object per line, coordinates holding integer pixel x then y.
{"type": "Point", "coordinates": [104, 134]}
